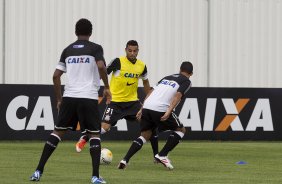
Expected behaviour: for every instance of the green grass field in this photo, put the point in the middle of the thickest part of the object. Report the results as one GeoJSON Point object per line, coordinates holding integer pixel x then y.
{"type": "Point", "coordinates": [194, 162]}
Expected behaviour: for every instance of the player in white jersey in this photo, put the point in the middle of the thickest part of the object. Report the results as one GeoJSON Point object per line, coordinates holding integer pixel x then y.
{"type": "Point", "coordinates": [157, 112]}
{"type": "Point", "coordinates": [84, 64]}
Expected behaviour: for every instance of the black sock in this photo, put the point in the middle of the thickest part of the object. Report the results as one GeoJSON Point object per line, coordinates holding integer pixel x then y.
{"type": "Point", "coordinates": [135, 146]}
{"type": "Point", "coordinates": [95, 152]}
{"type": "Point", "coordinates": [154, 142]}
{"type": "Point", "coordinates": [171, 142]}
{"type": "Point", "coordinates": [48, 149]}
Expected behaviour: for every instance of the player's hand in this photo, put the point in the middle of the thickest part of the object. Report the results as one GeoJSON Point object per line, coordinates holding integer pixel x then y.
{"type": "Point", "coordinates": [107, 94]}
{"type": "Point", "coordinates": [139, 114]}
{"type": "Point", "coordinates": [165, 116]}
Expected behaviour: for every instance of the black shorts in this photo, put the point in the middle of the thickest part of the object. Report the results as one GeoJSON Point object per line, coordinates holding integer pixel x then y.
{"type": "Point", "coordinates": [83, 110]}
{"type": "Point", "coordinates": [119, 110]}
{"type": "Point", "coordinates": [151, 120]}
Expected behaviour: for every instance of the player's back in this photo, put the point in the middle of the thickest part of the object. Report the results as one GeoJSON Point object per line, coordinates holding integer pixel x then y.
{"type": "Point", "coordinates": [164, 91]}
{"type": "Point", "coordinates": [78, 60]}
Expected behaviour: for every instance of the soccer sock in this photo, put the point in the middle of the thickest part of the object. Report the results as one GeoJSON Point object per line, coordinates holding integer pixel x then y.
{"type": "Point", "coordinates": [135, 146]}
{"type": "Point", "coordinates": [48, 149]}
{"type": "Point", "coordinates": [95, 152]}
{"type": "Point", "coordinates": [154, 142]}
{"type": "Point", "coordinates": [171, 142]}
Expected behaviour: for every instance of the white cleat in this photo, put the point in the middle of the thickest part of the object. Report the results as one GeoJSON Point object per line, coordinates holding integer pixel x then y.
{"type": "Point", "coordinates": [35, 176]}
{"type": "Point", "coordinates": [165, 161]}
{"type": "Point", "coordinates": [122, 164]}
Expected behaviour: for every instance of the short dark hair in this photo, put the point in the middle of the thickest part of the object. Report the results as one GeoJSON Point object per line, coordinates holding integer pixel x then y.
{"type": "Point", "coordinates": [83, 27]}
{"type": "Point", "coordinates": [187, 67]}
{"type": "Point", "coordinates": [132, 43]}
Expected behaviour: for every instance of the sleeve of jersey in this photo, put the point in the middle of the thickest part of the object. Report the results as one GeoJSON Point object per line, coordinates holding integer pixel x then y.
{"type": "Point", "coordinates": [99, 54]}
{"type": "Point", "coordinates": [113, 66]}
{"type": "Point", "coordinates": [144, 75]}
{"type": "Point", "coordinates": [184, 87]}
{"type": "Point", "coordinates": [62, 63]}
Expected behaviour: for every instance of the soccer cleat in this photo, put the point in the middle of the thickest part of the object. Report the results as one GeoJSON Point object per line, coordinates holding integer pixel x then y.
{"type": "Point", "coordinates": [95, 179]}
{"type": "Point", "coordinates": [165, 161]}
{"type": "Point", "coordinates": [35, 176]}
{"type": "Point", "coordinates": [122, 164]}
{"type": "Point", "coordinates": [155, 161]}
{"type": "Point", "coordinates": [80, 145]}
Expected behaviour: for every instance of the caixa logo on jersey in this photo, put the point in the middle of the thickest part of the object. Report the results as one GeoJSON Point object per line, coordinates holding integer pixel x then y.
{"type": "Point", "coordinates": [227, 114]}
{"type": "Point", "coordinates": [78, 59]}
{"type": "Point", "coordinates": [23, 113]}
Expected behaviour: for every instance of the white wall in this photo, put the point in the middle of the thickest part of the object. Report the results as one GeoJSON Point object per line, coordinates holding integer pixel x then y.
{"type": "Point", "coordinates": [232, 43]}
{"type": "Point", "coordinates": [246, 43]}
{"type": "Point", "coordinates": [168, 33]}
{"type": "Point", "coordinates": [1, 41]}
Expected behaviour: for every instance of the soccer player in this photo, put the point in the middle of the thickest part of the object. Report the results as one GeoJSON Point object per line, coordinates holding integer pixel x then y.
{"type": "Point", "coordinates": [83, 62]}
{"type": "Point", "coordinates": [126, 72]}
{"type": "Point", "coordinates": [157, 112]}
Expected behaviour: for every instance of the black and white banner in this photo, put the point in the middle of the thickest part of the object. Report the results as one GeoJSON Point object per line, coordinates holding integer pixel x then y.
{"type": "Point", "coordinates": [28, 112]}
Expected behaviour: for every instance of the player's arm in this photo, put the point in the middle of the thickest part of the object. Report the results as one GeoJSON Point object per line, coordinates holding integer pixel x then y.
{"type": "Point", "coordinates": [100, 61]}
{"type": "Point", "coordinates": [139, 113]}
{"type": "Point", "coordinates": [57, 86]}
{"type": "Point", "coordinates": [175, 100]}
{"type": "Point", "coordinates": [104, 77]}
{"type": "Point", "coordinates": [60, 69]}
{"type": "Point", "coordinates": [146, 83]}
{"type": "Point", "coordinates": [113, 66]}
{"type": "Point", "coordinates": [182, 90]}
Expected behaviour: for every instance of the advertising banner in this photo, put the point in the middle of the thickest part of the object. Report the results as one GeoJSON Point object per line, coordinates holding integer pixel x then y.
{"type": "Point", "coordinates": [28, 112]}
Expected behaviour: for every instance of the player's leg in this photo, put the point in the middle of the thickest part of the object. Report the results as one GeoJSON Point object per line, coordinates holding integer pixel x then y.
{"type": "Point", "coordinates": [154, 144]}
{"type": "Point", "coordinates": [81, 143]}
{"type": "Point", "coordinates": [50, 145]}
{"type": "Point", "coordinates": [105, 127]}
{"type": "Point", "coordinates": [82, 140]}
{"type": "Point", "coordinates": [111, 115]}
{"type": "Point", "coordinates": [107, 121]}
{"type": "Point", "coordinates": [174, 138]}
{"type": "Point", "coordinates": [130, 111]}
{"type": "Point", "coordinates": [67, 110]}
{"type": "Point", "coordinates": [135, 147]}
{"type": "Point", "coordinates": [95, 153]}
{"type": "Point", "coordinates": [172, 141]}
{"type": "Point", "coordinates": [88, 115]}
{"type": "Point", "coordinates": [146, 132]}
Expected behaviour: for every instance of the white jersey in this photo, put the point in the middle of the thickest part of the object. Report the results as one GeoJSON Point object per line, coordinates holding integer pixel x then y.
{"type": "Point", "coordinates": [78, 60]}
{"type": "Point", "coordinates": [164, 91]}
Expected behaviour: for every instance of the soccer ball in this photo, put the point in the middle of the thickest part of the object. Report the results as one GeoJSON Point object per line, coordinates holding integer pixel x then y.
{"type": "Point", "coordinates": [106, 156]}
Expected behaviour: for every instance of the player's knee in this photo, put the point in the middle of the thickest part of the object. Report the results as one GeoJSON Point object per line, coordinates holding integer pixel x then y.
{"type": "Point", "coordinates": [106, 127]}
{"type": "Point", "coordinates": [146, 134]}
{"type": "Point", "coordinates": [183, 130]}
{"type": "Point", "coordinates": [59, 133]}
